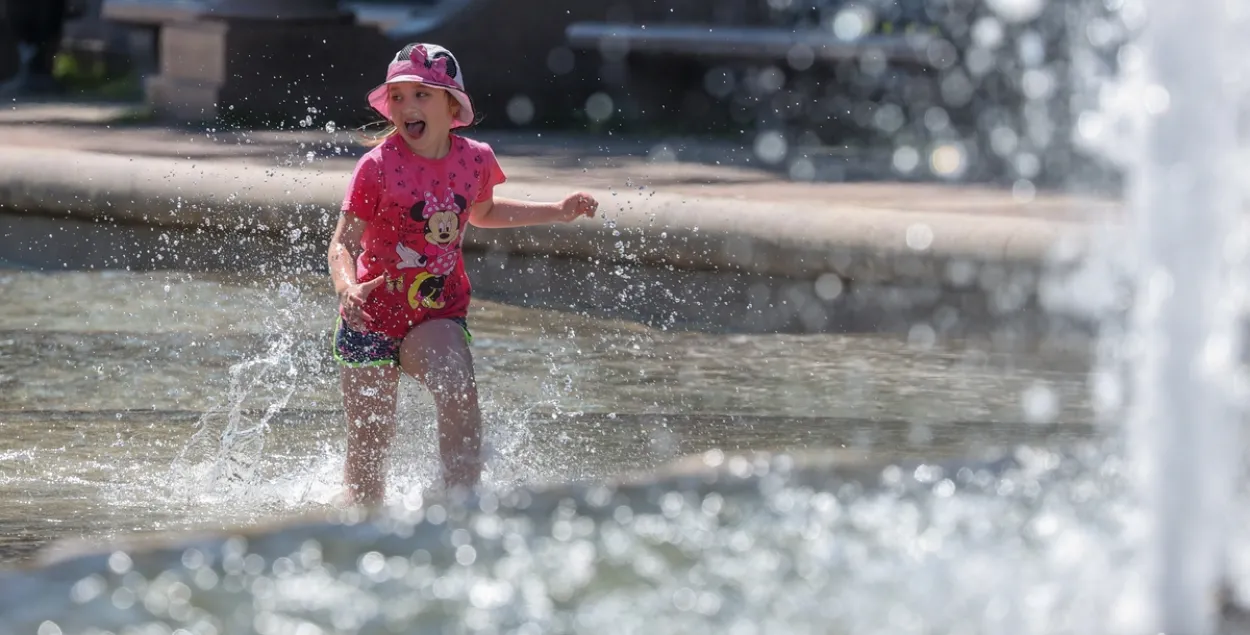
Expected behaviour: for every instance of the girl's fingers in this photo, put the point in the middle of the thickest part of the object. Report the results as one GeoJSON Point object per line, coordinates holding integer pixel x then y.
{"type": "Point", "coordinates": [354, 315]}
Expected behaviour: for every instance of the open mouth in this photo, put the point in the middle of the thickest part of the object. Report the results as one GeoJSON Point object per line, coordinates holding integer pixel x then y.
{"type": "Point", "coordinates": [414, 129]}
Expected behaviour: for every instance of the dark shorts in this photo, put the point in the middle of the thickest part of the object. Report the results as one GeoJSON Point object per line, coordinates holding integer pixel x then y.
{"type": "Point", "coordinates": [354, 348]}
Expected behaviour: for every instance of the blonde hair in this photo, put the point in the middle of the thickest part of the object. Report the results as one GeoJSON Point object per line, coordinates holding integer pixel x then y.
{"type": "Point", "coordinates": [373, 140]}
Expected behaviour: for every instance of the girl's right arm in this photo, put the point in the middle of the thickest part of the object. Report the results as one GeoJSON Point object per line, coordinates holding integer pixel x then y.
{"type": "Point", "coordinates": [344, 250]}
{"type": "Point", "coordinates": [359, 207]}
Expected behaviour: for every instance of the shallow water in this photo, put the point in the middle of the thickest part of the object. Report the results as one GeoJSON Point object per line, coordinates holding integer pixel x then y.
{"type": "Point", "coordinates": [107, 377]}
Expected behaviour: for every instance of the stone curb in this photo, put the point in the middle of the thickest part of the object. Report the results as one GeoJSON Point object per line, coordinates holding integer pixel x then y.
{"type": "Point", "coordinates": [803, 241]}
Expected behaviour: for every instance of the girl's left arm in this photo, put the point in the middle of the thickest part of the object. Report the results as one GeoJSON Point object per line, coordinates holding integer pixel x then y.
{"type": "Point", "coordinates": [496, 213]}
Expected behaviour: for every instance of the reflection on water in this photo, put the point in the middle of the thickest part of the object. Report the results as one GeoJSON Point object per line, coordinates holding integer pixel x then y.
{"type": "Point", "coordinates": [105, 379]}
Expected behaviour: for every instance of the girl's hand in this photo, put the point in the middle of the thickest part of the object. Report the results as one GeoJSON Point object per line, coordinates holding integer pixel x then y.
{"type": "Point", "coordinates": [578, 204]}
{"type": "Point", "coordinates": [352, 303]}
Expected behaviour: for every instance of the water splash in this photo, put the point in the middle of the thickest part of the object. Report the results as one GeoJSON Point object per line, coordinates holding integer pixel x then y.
{"type": "Point", "coordinates": [223, 455]}
{"type": "Point", "coordinates": [1186, 325]}
{"type": "Point", "coordinates": [232, 439]}
{"type": "Point", "coordinates": [761, 545]}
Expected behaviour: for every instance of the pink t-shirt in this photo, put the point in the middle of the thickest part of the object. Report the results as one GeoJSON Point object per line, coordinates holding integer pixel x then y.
{"type": "Point", "coordinates": [417, 211]}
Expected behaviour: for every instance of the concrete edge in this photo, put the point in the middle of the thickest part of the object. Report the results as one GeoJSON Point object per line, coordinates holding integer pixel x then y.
{"type": "Point", "coordinates": [712, 470]}
{"type": "Point", "coordinates": [791, 240]}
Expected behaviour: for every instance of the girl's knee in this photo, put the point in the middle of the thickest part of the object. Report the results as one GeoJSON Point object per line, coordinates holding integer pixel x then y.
{"type": "Point", "coordinates": [432, 341]}
{"type": "Point", "coordinates": [454, 390]}
{"type": "Point", "coordinates": [449, 373]}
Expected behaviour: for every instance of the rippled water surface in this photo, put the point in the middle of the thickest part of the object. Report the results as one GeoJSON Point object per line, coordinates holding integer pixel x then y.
{"type": "Point", "coordinates": [152, 401]}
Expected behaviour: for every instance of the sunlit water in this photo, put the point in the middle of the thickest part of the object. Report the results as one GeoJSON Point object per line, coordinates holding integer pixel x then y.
{"type": "Point", "coordinates": [138, 401]}
{"type": "Point", "coordinates": [109, 377]}
{"type": "Point", "coordinates": [895, 514]}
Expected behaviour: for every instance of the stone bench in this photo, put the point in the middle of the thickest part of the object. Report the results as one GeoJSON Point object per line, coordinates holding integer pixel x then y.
{"type": "Point", "coordinates": [151, 13]}
{"type": "Point", "coordinates": [746, 42]}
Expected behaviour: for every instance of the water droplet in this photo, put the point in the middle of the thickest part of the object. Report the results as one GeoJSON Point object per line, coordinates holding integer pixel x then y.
{"type": "Point", "coordinates": [987, 32]}
{"type": "Point", "coordinates": [600, 107]}
{"type": "Point", "coordinates": [828, 286]}
{"type": "Point", "coordinates": [1040, 403]}
{"type": "Point", "coordinates": [372, 564]}
{"type": "Point", "coordinates": [947, 160]}
{"type": "Point", "coordinates": [770, 146]}
{"type": "Point", "coordinates": [1016, 10]}
{"type": "Point", "coordinates": [1023, 191]}
{"type": "Point", "coordinates": [466, 555]}
{"type": "Point", "coordinates": [906, 159]}
{"type": "Point", "coordinates": [123, 598]}
{"type": "Point", "coordinates": [520, 110]}
{"type": "Point", "coordinates": [921, 336]}
{"type": "Point", "coordinates": [919, 236]}
{"type": "Point", "coordinates": [802, 170]}
{"type": "Point", "coordinates": [852, 23]}
{"type": "Point", "coordinates": [119, 562]}
{"type": "Point", "coordinates": [87, 589]}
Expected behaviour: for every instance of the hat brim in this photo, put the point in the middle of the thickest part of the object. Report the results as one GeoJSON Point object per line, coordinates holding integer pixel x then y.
{"type": "Point", "coordinates": [378, 98]}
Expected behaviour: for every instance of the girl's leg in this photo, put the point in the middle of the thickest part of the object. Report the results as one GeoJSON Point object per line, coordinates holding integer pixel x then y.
{"type": "Point", "coordinates": [437, 354]}
{"type": "Point", "coordinates": [369, 398]}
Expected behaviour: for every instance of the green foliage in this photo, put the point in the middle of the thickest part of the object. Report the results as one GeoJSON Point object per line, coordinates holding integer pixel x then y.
{"type": "Point", "coordinates": [89, 76]}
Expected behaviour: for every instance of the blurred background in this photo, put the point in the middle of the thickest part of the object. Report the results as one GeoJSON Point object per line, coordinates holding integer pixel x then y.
{"type": "Point", "coordinates": [823, 90]}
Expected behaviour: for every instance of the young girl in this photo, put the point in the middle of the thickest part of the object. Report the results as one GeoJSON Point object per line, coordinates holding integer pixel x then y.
{"type": "Point", "coordinates": [395, 259]}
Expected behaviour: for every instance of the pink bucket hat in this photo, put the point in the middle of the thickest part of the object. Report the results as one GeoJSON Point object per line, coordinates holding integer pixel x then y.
{"type": "Point", "coordinates": [428, 64]}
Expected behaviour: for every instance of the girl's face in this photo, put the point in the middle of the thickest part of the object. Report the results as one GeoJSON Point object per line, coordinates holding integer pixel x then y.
{"type": "Point", "coordinates": [422, 114]}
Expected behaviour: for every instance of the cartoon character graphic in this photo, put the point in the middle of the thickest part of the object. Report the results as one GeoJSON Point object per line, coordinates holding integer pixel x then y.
{"type": "Point", "coordinates": [396, 284]}
{"type": "Point", "coordinates": [426, 291]}
{"type": "Point", "coordinates": [442, 230]}
{"type": "Point", "coordinates": [409, 258]}
{"type": "Point", "coordinates": [440, 226]}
